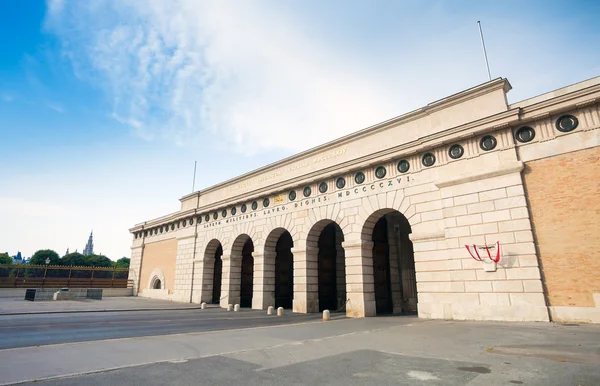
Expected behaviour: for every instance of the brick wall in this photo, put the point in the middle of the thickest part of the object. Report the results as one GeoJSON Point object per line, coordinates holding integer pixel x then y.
{"type": "Point", "coordinates": [160, 255]}
{"type": "Point", "coordinates": [564, 197]}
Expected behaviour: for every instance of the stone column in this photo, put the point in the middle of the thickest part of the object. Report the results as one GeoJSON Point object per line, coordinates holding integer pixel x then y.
{"type": "Point", "coordinates": [306, 279]}
{"type": "Point", "coordinates": [198, 281]}
{"type": "Point", "coordinates": [360, 288]}
{"type": "Point", "coordinates": [340, 275]}
{"type": "Point", "coordinates": [206, 283]}
{"type": "Point", "coordinates": [231, 280]}
{"type": "Point", "coordinates": [263, 288]}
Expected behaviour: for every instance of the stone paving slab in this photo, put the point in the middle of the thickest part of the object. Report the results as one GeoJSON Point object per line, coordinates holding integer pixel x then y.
{"type": "Point", "coordinates": [12, 306]}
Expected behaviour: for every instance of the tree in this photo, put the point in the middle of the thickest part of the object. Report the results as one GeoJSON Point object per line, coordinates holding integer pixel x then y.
{"type": "Point", "coordinates": [75, 259]}
{"type": "Point", "coordinates": [98, 261]}
{"type": "Point", "coordinates": [39, 258]}
{"type": "Point", "coordinates": [5, 259]}
{"type": "Point", "coordinates": [123, 262]}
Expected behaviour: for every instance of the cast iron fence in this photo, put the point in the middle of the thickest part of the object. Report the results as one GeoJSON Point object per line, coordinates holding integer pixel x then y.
{"type": "Point", "coordinates": [56, 276]}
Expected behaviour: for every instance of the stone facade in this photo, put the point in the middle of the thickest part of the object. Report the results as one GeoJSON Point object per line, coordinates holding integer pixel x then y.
{"type": "Point", "coordinates": [378, 221]}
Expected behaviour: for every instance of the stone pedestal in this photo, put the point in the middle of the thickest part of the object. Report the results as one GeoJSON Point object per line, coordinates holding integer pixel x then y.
{"type": "Point", "coordinates": [263, 292]}
{"type": "Point", "coordinates": [306, 279]}
{"type": "Point", "coordinates": [360, 289]}
{"type": "Point", "coordinates": [231, 280]}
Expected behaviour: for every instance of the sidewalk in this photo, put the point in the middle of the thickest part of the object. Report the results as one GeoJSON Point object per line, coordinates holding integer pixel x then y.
{"type": "Point", "coordinates": [11, 306]}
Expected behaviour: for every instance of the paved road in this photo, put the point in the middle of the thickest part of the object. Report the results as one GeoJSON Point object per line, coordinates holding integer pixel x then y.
{"type": "Point", "coordinates": [36, 330]}
{"type": "Point", "coordinates": [370, 351]}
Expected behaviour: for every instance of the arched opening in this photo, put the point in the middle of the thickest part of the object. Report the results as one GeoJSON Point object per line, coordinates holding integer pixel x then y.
{"type": "Point", "coordinates": [284, 271]}
{"type": "Point", "coordinates": [217, 275]}
{"type": "Point", "coordinates": [247, 279]}
{"type": "Point", "coordinates": [157, 284]}
{"type": "Point", "coordinates": [393, 262]}
{"type": "Point", "coordinates": [331, 268]}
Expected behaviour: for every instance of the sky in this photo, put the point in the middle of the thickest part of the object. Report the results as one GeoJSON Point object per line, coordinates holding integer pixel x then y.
{"type": "Point", "coordinates": [105, 105]}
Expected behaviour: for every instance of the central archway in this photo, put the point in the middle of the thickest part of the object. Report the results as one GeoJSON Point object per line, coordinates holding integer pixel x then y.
{"type": "Point", "coordinates": [284, 271]}
{"type": "Point", "coordinates": [247, 278]}
{"type": "Point", "coordinates": [326, 254]}
{"type": "Point", "coordinates": [217, 275]}
{"type": "Point", "coordinates": [395, 286]}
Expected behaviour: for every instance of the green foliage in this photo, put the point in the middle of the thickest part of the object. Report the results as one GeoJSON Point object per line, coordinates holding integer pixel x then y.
{"type": "Point", "coordinates": [123, 262]}
{"type": "Point", "coordinates": [75, 259]}
{"type": "Point", "coordinates": [98, 261]}
{"type": "Point", "coordinates": [5, 259]}
{"type": "Point", "coordinates": [39, 258]}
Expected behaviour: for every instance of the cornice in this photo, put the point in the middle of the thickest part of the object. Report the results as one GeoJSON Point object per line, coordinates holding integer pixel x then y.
{"type": "Point", "coordinates": [484, 88]}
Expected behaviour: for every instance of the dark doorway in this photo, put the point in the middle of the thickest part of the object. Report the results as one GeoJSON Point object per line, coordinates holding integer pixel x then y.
{"type": "Point", "coordinates": [284, 271]}
{"type": "Point", "coordinates": [327, 268]}
{"type": "Point", "coordinates": [247, 274]}
{"type": "Point", "coordinates": [381, 268]}
{"type": "Point", "coordinates": [217, 274]}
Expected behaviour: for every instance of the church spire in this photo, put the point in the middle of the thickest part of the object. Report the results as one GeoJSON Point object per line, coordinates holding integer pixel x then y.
{"type": "Point", "coordinates": [89, 247]}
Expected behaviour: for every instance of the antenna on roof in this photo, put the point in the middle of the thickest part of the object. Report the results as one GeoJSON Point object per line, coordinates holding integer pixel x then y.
{"type": "Point", "coordinates": [484, 52]}
{"type": "Point", "coordinates": [194, 181]}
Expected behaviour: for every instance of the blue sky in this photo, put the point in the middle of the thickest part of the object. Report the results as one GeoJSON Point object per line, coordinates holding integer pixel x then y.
{"type": "Point", "coordinates": [105, 105]}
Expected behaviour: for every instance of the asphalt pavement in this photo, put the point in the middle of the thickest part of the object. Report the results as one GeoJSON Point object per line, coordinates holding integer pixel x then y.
{"type": "Point", "coordinates": [44, 329]}
{"type": "Point", "coordinates": [368, 351]}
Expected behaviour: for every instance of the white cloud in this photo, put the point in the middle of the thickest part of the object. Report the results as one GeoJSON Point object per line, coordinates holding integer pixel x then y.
{"type": "Point", "coordinates": [243, 75]}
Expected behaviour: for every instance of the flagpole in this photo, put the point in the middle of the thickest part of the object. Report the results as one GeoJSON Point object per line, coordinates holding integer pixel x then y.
{"type": "Point", "coordinates": [484, 51]}
{"type": "Point", "coordinates": [194, 181]}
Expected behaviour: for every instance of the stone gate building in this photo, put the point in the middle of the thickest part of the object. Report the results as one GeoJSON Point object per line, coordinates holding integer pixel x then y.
{"type": "Point", "coordinates": [377, 221]}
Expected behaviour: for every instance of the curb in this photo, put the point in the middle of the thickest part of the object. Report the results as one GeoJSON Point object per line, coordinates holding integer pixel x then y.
{"type": "Point", "coordinates": [106, 310]}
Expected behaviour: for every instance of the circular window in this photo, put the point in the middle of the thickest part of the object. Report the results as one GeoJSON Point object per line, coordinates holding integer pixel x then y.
{"type": "Point", "coordinates": [161, 229]}
{"type": "Point", "coordinates": [207, 217]}
{"type": "Point", "coordinates": [146, 234]}
{"type": "Point", "coordinates": [525, 134]}
{"type": "Point", "coordinates": [243, 208]}
{"type": "Point", "coordinates": [428, 159]}
{"type": "Point", "coordinates": [456, 151]}
{"type": "Point", "coordinates": [566, 123]}
{"type": "Point", "coordinates": [254, 205]}
{"type": "Point", "coordinates": [359, 178]}
{"type": "Point", "coordinates": [166, 228]}
{"type": "Point", "coordinates": [488, 143]}
{"type": "Point", "coordinates": [224, 213]}
{"type": "Point", "coordinates": [233, 211]}
{"type": "Point", "coordinates": [178, 224]}
{"type": "Point", "coordinates": [215, 215]}
{"type": "Point", "coordinates": [266, 202]}
{"type": "Point", "coordinates": [323, 187]}
{"type": "Point", "coordinates": [380, 172]}
{"type": "Point", "coordinates": [184, 223]}
{"type": "Point", "coordinates": [340, 183]}
{"type": "Point", "coordinates": [199, 220]}
{"type": "Point", "coordinates": [155, 231]}
{"type": "Point", "coordinates": [292, 195]}
{"type": "Point", "coordinates": [192, 221]}
{"type": "Point", "coordinates": [403, 166]}
{"type": "Point", "coordinates": [307, 191]}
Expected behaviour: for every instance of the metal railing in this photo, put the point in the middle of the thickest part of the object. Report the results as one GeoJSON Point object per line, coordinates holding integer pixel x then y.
{"type": "Point", "coordinates": [55, 276]}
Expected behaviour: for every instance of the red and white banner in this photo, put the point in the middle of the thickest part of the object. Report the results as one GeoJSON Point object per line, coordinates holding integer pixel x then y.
{"type": "Point", "coordinates": [477, 257]}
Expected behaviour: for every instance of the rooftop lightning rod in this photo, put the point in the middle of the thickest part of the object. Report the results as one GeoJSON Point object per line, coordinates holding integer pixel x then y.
{"type": "Point", "coordinates": [484, 52]}
{"type": "Point", "coordinates": [194, 182]}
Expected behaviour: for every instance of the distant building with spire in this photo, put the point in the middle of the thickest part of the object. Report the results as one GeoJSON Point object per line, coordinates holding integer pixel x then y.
{"type": "Point", "coordinates": [89, 247]}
